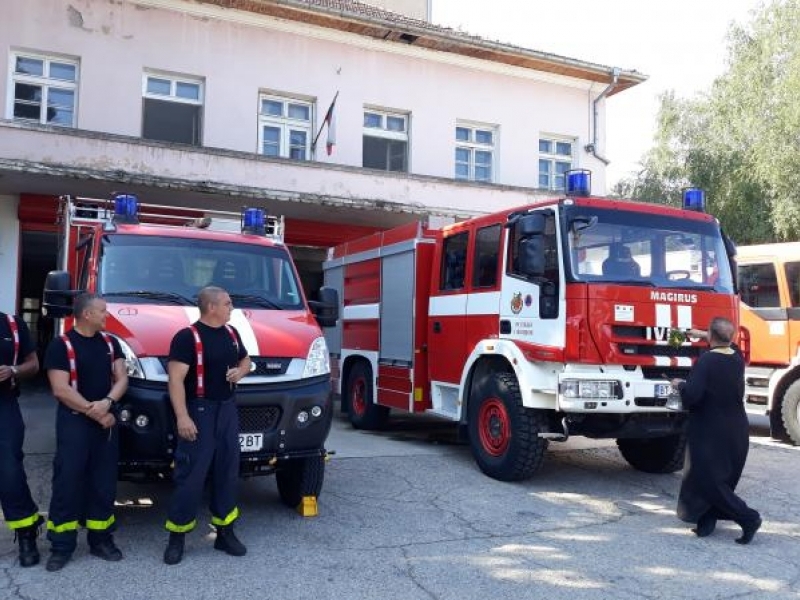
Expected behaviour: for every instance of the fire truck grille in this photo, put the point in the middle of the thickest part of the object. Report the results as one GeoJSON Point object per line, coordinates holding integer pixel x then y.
{"type": "Point", "coordinates": [653, 350]}
{"type": "Point", "coordinates": [670, 372]}
{"type": "Point", "coordinates": [632, 341]}
{"type": "Point", "coordinates": [258, 418]}
{"type": "Point", "coordinates": [266, 366]}
{"type": "Point", "coordinates": [269, 366]}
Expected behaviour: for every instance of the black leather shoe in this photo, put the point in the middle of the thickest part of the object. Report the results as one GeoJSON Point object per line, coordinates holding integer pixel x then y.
{"type": "Point", "coordinates": [106, 550]}
{"type": "Point", "coordinates": [174, 552]}
{"type": "Point", "coordinates": [57, 560]}
{"type": "Point", "coordinates": [748, 531]}
{"type": "Point", "coordinates": [228, 542]}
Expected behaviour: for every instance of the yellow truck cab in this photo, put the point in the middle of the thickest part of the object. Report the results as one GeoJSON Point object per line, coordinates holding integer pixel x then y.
{"type": "Point", "coordinates": [769, 285]}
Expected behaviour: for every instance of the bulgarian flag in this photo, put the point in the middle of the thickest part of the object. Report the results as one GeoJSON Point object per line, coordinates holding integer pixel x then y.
{"type": "Point", "coordinates": [330, 121]}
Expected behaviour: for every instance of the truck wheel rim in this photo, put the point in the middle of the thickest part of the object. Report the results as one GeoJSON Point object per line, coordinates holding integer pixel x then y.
{"type": "Point", "coordinates": [357, 402]}
{"type": "Point", "coordinates": [493, 427]}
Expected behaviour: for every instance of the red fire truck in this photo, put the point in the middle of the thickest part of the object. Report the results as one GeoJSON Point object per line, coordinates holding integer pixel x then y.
{"type": "Point", "coordinates": [149, 262]}
{"type": "Point", "coordinates": [529, 325]}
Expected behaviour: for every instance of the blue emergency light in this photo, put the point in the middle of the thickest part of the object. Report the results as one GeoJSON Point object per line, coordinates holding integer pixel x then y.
{"type": "Point", "coordinates": [694, 199]}
{"type": "Point", "coordinates": [579, 182]}
{"type": "Point", "coordinates": [254, 221]}
{"type": "Point", "coordinates": [126, 208]}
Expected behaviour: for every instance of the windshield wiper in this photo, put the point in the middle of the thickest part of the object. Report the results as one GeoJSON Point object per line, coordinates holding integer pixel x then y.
{"type": "Point", "coordinates": [255, 299]}
{"type": "Point", "coordinates": [637, 282]}
{"type": "Point", "coordinates": [171, 296]}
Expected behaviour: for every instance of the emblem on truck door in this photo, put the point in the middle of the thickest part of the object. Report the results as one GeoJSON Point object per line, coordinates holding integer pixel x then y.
{"type": "Point", "coordinates": [516, 303]}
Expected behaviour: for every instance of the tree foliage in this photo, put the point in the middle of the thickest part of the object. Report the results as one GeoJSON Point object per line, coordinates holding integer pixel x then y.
{"type": "Point", "coordinates": [740, 141]}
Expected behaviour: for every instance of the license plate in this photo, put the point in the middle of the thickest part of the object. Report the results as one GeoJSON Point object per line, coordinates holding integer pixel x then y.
{"type": "Point", "coordinates": [663, 390]}
{"type": "Point", "coordinates": [251, 442]}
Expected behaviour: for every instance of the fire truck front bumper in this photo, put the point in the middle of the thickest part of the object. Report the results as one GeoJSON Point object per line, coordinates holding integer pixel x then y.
{"type": "Point", "coordinates": [613, 396]}
{"type": "Point", "coordinates": [277, 422]}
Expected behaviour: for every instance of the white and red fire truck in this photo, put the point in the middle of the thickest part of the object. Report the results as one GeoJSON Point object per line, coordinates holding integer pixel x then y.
{"type": "Point", "coordinates": [149, 262]}
{"type": "Point", "coordinates": [533, 324]}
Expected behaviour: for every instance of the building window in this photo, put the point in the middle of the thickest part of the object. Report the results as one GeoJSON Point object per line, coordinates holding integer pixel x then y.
{"type": "Point", "coordinates": [284, 127]}
{"type": "Point", "coordinates": [555, 159]}
{"type": "Point", "coordinates": [474, 153]}
{"type": "Point", "coordinates": [385, 141]}
{"type": "Point", "coordinates": [172, 109]}
{"type": "Point", "coordinates": [45, 89]}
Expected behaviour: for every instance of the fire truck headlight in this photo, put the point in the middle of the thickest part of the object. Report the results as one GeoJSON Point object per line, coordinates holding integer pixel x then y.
{"type": "Point", "coordinates": [132, 363]}
{"type": "Point", "coordinates": [580, 388]}
{"type": "Point", "coordinates": [317, 361]}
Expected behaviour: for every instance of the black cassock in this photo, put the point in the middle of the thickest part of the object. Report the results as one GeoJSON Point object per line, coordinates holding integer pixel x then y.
{"type": "Point", "coordinates": [718, 438]}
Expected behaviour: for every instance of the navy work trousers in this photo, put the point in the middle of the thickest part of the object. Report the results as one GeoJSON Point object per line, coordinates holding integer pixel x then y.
{"type": "Point", "coordinates": [18, 506]}
{"type": "Point", "coordinates": [216, 448]}
{"type": "Point", "coordinates": [84, 480]}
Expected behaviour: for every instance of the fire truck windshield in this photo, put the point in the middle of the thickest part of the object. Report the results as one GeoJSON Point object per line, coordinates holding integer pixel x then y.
{"type": "Point", "coordinates": [645, 249]}
{"type": "Point", "coordinates": [172, 270]}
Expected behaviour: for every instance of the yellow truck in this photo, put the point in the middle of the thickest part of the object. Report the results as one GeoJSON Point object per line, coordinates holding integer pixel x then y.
{"type": "Point", "coordinates": [769, 285]}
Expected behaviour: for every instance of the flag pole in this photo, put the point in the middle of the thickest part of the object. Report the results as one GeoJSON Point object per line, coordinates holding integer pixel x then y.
{"type": "Point", "coordinates": [325, 120]}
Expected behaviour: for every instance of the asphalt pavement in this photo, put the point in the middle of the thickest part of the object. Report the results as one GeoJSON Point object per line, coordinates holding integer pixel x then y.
{"type": "Point", "coordinates": [405, 514]}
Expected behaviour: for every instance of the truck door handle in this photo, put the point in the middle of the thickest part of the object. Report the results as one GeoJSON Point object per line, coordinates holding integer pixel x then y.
{"type": "Point", "coordinates": [437, 327]}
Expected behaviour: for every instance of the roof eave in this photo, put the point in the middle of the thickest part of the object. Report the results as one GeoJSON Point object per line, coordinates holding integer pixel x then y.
{"type": "Point", "coordinates": [423, 35]}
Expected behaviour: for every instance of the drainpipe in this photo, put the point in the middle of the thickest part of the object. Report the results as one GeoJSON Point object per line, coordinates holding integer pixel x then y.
{"type": "Point", "coordinates": [592, 147]}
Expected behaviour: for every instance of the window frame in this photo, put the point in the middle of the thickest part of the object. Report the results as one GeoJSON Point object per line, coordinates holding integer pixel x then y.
{"type": "Point", "coordinates": [285, 123]}
{"type": "Point", "coordinates": [46, 82]}
{"type": "Point", "coordinates": [553, 158]}
{"type": "Point", "coordinates": [383, 132]}
{"type": "Point", "coordinates": [472, 146]}
{"type": "Point", "coordinates": [174, 81]}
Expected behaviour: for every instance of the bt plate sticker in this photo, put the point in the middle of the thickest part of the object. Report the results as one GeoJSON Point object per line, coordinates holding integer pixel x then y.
{"type": "Point", "coordinates": [623, 313]}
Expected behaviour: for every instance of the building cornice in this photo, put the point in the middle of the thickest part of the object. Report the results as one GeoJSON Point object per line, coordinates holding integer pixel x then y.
{"type": "Point", "coordinates": [407, 38]}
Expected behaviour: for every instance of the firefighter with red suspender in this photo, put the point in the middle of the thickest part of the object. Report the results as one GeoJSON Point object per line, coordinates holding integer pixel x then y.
{"type": "Point", "coordinates": [206, 360]}
{"type": "Point", "coordinates": [86, 369]}
{"type": "Point", "coordinates": [17, 361]}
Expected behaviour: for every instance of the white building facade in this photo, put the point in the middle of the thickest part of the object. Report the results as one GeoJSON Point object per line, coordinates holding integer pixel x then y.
{"type": "Point", "coordinates": [216, 104]}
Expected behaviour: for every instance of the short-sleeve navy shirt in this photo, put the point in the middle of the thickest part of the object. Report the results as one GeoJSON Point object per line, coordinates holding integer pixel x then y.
{"type": "Point", "coordinates": [26, 346]}
{"type": "Point", "coordinates": [220, 353]}
{"type": "Point", "coordinates": [93, 362]}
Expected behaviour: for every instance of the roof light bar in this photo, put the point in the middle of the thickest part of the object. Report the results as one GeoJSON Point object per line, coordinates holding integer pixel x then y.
{"type": "Point", "coordinates": [694, 199]}
{"type": "Point", "coordinates": [254, 221]}
{"type": "Point", "coordinates": [126, 208]}
{"type": "Point", "coordinates": [579, 182]}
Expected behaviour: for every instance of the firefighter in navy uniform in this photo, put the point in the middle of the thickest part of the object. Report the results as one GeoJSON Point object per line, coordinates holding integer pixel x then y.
{"type": "Point", "coordinates": [17, 361]}
{"type": "Point", "coordinates": [206, 360]}
{"type": "Point", "coordinates": [87, 374]}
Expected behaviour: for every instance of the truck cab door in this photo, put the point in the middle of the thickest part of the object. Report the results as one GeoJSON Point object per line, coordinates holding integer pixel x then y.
{"type": "Point", "coordinates": [765, 310]}
{"type": "Point", "coordinates": [532, 308]}
{"type": "Point", "coordinates": [447, 308]}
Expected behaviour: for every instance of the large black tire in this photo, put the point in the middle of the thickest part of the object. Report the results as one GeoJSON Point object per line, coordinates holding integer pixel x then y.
{"type": "Point", "coordinates": [655, 455]}
{"type": "Point", "coordinates": [362, 410]}
{"type": "Point", "coordinates": [300, 477]}
{"type": "Point", "coordinates": [790, 412]}
{"type": "Point", "coordinates": [503, 434]}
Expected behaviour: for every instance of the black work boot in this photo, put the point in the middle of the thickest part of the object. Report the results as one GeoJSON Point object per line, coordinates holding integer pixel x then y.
{"type": "Point", "coordinates": [57, 560]}
{"type": "Point", "coordinates": [106, 549]}
{"type": "Point", "coordinates": [228, 542]}
{"type": "Point", "coordinates": [28, 552]}
{"type": "Point", "coordinates": [174, 552]}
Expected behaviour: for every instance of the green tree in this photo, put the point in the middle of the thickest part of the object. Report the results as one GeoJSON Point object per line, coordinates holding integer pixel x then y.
{"type": "Point", "coordinates": [740, 141]}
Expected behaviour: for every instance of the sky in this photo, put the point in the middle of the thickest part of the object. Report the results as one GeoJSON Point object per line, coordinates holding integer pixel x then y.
{"type": "Point", "coordinates": [679, 44]}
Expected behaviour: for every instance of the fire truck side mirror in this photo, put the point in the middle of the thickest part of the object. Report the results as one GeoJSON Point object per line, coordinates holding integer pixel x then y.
{"type": "Point", "coordinates": [531, 256]}
{"type": "Point", "coordinates": [533, 224]}
{"type": "Point", "coordinates": [326, 309]}
{"type": "Point", "coordinates": [57, 295]}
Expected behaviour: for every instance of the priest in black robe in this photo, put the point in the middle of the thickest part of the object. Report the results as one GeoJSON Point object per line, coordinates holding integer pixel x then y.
{"type": "Point", "coordinates": [718, 437]}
